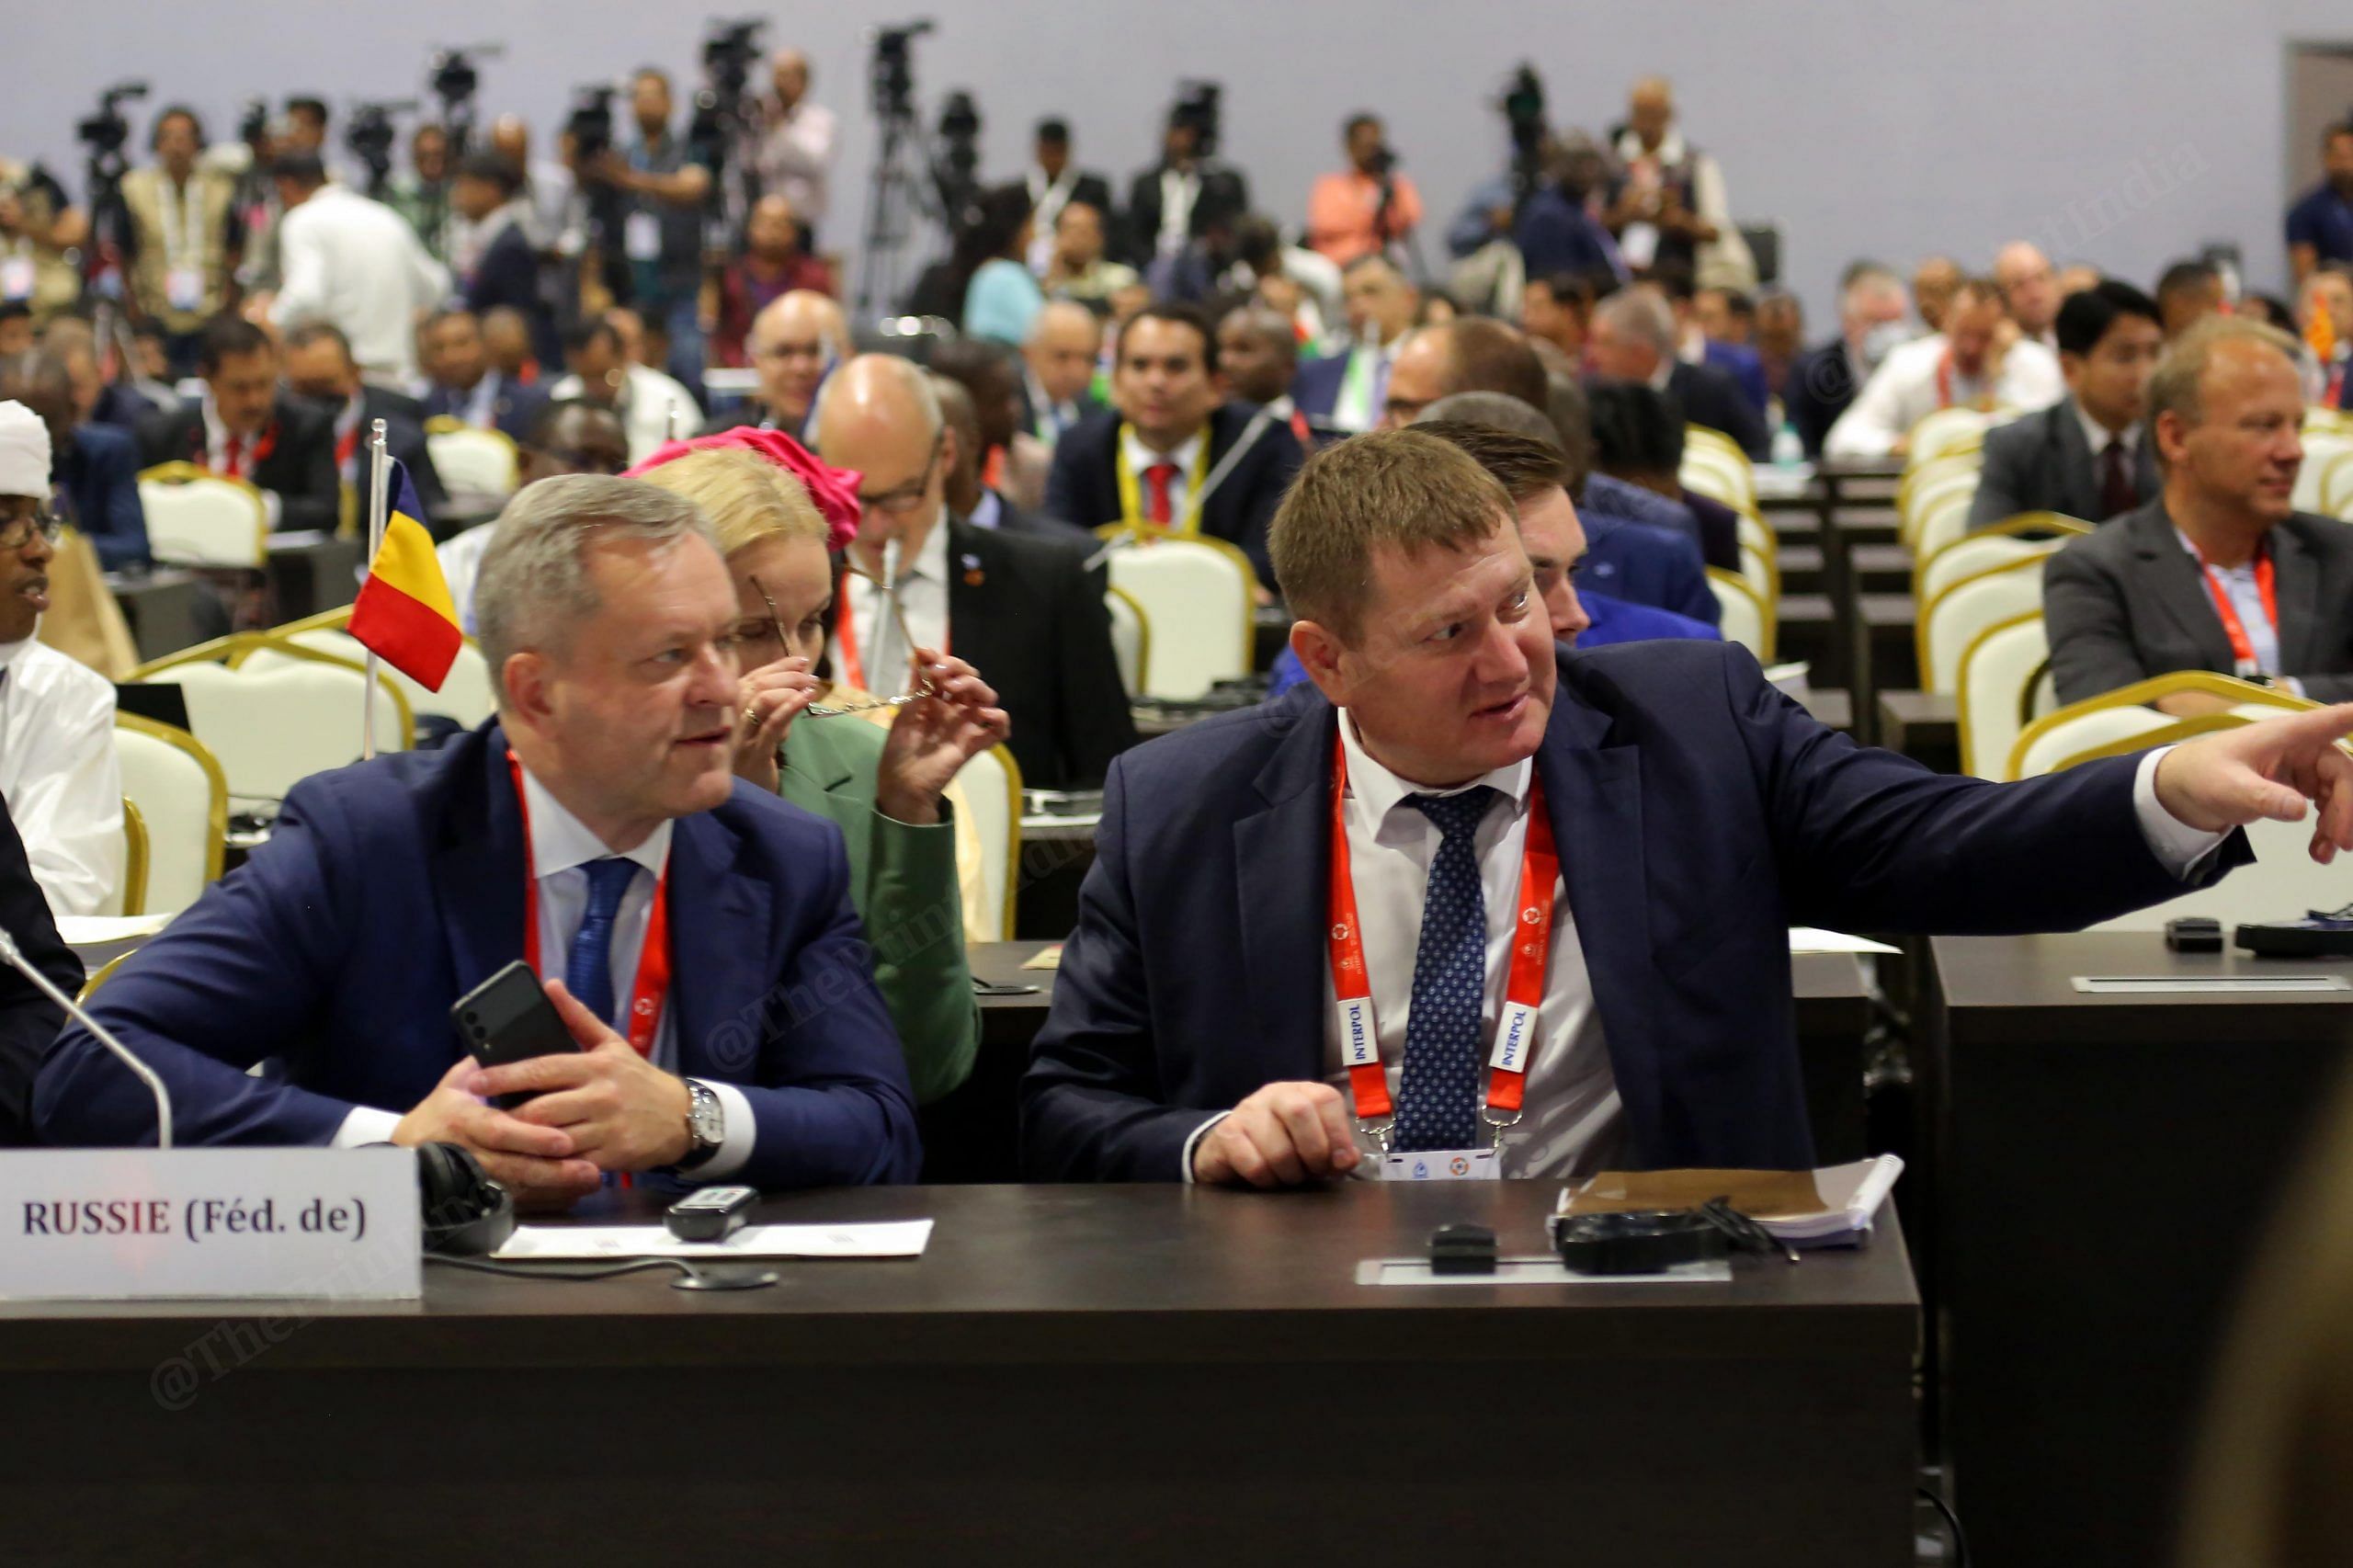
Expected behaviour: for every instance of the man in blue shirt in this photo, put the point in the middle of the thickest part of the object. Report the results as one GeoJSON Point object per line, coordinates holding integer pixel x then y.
{"type": "Point", "coordinates": [2320, 227]}
{"type": "Point", "coordinates": [661, 233]}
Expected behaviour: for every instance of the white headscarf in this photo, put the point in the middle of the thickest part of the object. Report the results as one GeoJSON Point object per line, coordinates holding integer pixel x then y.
{"type": "Point", "coordinates": [24, 452]}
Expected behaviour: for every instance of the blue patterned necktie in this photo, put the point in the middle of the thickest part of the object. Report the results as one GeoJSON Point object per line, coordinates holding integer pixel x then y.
{"type": "Point", "coordinates": [588, 968]}
{"type": "Point", "coordinates": [1438, 1093]}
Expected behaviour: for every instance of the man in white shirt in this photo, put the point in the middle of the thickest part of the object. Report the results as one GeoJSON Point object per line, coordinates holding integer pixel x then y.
{"type": "Point", "coordinates": [651, 407]}
{"type": "Point", "coordinates": [1481, 905]}
{"type": "Point", "coordinates": [796, 157]}
{"type": "Point", "coordinates": [355, 264]}
{"type": "Point", "coordinates": [58, 771]}
{"type": "Point", "coordinates": [1965, 366]}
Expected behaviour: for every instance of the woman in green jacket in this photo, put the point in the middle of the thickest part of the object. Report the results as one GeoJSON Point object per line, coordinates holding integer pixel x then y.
{"type": "Point", "coordinates": [882, 787]}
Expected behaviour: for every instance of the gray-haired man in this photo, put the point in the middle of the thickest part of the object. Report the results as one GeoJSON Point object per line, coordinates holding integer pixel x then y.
{"type": "Point", "coordinates": [696, 934]}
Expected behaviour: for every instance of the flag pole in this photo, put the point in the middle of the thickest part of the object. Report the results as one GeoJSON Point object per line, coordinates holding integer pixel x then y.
{"type": "Point", "coordinates": [379, 485]}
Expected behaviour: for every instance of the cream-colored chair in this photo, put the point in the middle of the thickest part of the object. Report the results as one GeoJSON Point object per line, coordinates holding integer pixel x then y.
{"type": "Point", "coordinates": [1130, 639]}
{"type": "Point", "coordinates": [1762, 572]}
{"type": "Point", "coordinates": [1197, 595]}
{"type": "Point", "coordinates": [1951, 621]}
{"type": "Point", "coordinates": [466, 694]}
{"type": "Point", "coordinates": [2122, 718]}
{"type": "Point", "coordinates": [471, 461]}
{"type": "Point", "coordinates": [2336, 487]}
{"type": "Point", "coordinates": [991, 785]}
{"type": "Point", "coordinates": [129, 895]}
{"type": "Point", "coordinates": [1741, 614]}
{"type": "Point", "coordinates": [1718, 468]}
{"type": "Point", "coordinates": [195, 518]}
{"type": "Point", "coordinates": [2004, 681]}
{"type": "Point", "coordinates": [1948, 431]}
{"type": "Point", "coordinates": [1943, 519]}
{"type": "Point", "coordinates": [182, 796]}
{"type": "Point", "coordinates": [2323, 450]}
{"type": "Point", "coordinates": [284, 721]}
{"type": "Point", "coordinates": [1991, 546]}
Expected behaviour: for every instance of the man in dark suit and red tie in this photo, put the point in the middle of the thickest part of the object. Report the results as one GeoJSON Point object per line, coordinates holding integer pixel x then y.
{"type": "Point", "coordinates": [712, 967]}
{"type": "Point", "coordinates": [246, 428]}
{"type": "Point", "coordinates": [1474, 900]}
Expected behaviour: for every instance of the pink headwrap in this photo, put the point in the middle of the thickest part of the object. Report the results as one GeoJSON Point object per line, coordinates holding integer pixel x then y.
{"type": "Point", "coordinates": [835, 490]}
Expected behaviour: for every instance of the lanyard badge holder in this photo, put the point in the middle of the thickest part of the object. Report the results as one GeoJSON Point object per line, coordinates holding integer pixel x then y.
{"type": "Point", "coordinates": [1514, 1041]}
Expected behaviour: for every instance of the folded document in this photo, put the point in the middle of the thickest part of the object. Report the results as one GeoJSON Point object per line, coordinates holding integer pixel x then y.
{"type": "Point", "coordinates": [1828, 1207]}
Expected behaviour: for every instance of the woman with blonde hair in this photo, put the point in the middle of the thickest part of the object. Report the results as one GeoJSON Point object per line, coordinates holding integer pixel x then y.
{"type": "Point", "coordinates": [883, 787]}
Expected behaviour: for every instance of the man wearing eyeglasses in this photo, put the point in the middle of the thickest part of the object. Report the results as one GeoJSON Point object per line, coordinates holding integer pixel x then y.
{"type": "Point", "coordinates": [58, 772]}
{"type": "Point", "coordinates": [795, 340]}
{"type": "Point", "coordinates": [1026, 612]}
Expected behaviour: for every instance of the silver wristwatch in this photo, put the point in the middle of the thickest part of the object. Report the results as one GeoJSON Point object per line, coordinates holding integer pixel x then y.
{"type": "Point", "coordinates": [706, 1124]}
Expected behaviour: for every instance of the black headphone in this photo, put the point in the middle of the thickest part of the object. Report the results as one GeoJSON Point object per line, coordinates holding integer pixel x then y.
{"type": "Point", "coordinates": [466, 1213]}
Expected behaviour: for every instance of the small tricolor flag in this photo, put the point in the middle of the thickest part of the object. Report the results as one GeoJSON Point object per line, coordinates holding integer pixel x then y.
{"type": "Point", "coordinates": [405, 614]}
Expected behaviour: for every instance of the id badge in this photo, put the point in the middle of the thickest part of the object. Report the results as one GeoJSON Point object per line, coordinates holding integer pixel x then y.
{"type": "Point", "coordinates": [17, 277]}
{"type": "Point", "coordinates": [1441, 1165]}
{"type": "Point", "coordinates": [641, 237]}
{"type": "Point", "coordinates": [184, 288]}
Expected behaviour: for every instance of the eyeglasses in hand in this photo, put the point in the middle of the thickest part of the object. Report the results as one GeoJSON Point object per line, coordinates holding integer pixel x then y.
{"type": "Point", "coordinates": [921, 688]}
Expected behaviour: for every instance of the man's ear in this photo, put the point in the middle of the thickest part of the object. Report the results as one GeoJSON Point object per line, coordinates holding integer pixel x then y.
{"type": "Point", "coordinates": [1318, 651]}
{"type": "Point", "coordinates": [2172, 433]}
{"type": "Point", "coordinates": [523, 683]}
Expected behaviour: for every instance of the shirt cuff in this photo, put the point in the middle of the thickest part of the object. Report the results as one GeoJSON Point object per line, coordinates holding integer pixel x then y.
{"type": "Point", "coordinates": [2179, 847]}
{"type": "Point", "coordinates": [365, 1124]}
{"type": "Point", "coordinates": [1195, 1138]}
{"type": "Point", "coordinates": [734, 1149]}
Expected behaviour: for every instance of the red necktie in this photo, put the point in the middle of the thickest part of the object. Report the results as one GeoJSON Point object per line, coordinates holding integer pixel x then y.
{"type": "Point", "coordinates": [1158, 476]}
{"type": "Point", "coordinates": [234, 458]}
{"type": "Point", "coordinates": [2116, 492]}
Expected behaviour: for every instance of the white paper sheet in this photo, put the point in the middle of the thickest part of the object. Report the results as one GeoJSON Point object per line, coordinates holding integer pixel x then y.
{"type": "Point", "coordinates": [93, 930]}
{"type": "Point", "coordinates": [1806, 939]}
{"type": "Point", "coordinates": [548, 1243]}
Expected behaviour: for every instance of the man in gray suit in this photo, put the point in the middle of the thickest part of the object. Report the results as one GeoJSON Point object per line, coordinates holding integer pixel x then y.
{"type": "Point", "coordinates": [2220, 573]}
{"type": "Point", "coordinates": [2087, 455]}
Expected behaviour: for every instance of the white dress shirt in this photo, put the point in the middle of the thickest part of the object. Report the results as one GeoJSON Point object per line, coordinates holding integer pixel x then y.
{"type": "Point", "coordinates": [922, 600]}
{"type": "Point", "coordinates": [2246, 593]}
{"type": "Point", "coordinates": [1179, 189]}
{"type": "Point", "coordinates": [2098, 436]}
{"type": "Point", "coordinates": [1903, 391]}
{"type": "Point", "coordinates": [561, 846]}
{"type": "Point", "coordinates": [1364, 386]}
{"type": "Point", "coordinates": [1571, 1122]}
{"type": "Point", "coordinates": [797, 158]}
{"type": "Point", "coordinates": [1186, 456]}
{"type": "Point", "coordinates": [357, 266]}
{"type": "Point", "coordinates": [59, 774]}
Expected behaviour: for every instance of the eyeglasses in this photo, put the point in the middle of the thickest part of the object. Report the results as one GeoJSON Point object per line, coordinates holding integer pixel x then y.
{"type": "Point", "coordinates": [907, 496]}
{"type": "Point", "coordinates": [17, 531]}
{"type": "Point", "coordinates": [923, 687]}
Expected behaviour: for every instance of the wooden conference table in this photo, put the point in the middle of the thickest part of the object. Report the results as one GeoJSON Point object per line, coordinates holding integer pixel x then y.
{"type": "Point", "coordinates": [2103, 1168]}
{"type": "Point", "coordinates": [1140, 1375]}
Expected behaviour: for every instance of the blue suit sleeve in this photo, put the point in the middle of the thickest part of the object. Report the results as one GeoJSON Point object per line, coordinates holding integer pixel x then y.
{"type": "Point", "coordinates": [831, 1096]}
{"type": "Point", "coordinates": [122, 540]}
{"type": "Point", "coordinates": [250, 960]}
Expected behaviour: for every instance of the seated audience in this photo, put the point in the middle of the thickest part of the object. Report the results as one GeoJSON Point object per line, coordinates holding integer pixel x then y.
{"type": "Point", "coordinates": [604, 786]}
{"type": "Point", "coordinates": [1151, 457]}
{"type": "Point", "coordinates": [1595, 489]}
{"type": "Point", "coordinates": [652, 407]}
{"type": "Point", "coordinates": [1350, 389]}
{"type": "Point", "coordinates": [1057, 369]}
{"type": "Point", "coordinates": [29, 1020]}
{"type": "Point", "coordinates": [2087, 455]}
{"type": "Point", "coordinates": [1026, 610]}
{"type": "Point", "coordinates": [1779, 329]}
{"type": "Point", "coordinates": [1194, 1036]}
{"type": "Point", "coordinates": [2187, 293]}
{"type": "Point", "coordinates": [2220, 573]}
{"type": "Point", "coordinates": [1301, 284]}
{"type": "Point", "coordinates": [58, 774]}
{"type": "Point", "coordinates": [880, 785]}
{"type": "Point", "coordinates": [1365, 208]}
{"type": "Point", "coordinates": [1823, 382]}
{"type": "Point", "coordinates": [1553, 308]}
{"type": "Point", "coordinates": [319, 365]}
{"type": "Point", "coordinates": [1001, 297]}
{"type": "Point", "coordinates": [466, 387]}
{"type": "Point", "coordinates": [244, 427]}
{"type": "Point", "coordinates": [795, 342]}
{"type": "Point", "coordinates": [1965, 366]}
{"type": "Point", "coordinates": [121, 405]}
{"type": "Point", "coordinates": [2030, 292]}
{"type": "Point", "coordinates": [999, 478]}
{"type": "Point", "coordinates": [506, 339]}
{"type": "Point", "coordinates": [567, 437]}
{"type": "Point", "coordinates": [2325, 306]}
{"type": "Point", "coordinates": [1078, 269]}
{"type": "Point", "coordinates": [1637, 437]}
{"type": "Point", "coordinates": [94, 468]}
{"type": "Point", "coordinates": [495, 263]}
{"type": "Point", "coordinates": [1696, 344]}
{"type": "Point", "coordinates": [1634, 339]}
{"type": "Point", "coordinates": [1934, 283]}
{"type": "Point", "coordinates": [1259, 353]}
{"type": "Point", "coordinates": [771, 266]}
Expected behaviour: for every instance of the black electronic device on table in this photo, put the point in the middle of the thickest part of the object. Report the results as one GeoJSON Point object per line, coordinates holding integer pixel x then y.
{"type": "Point", "coordinates": [712, 1214]}
{"type": "Point", "coordinates": [509, 1019]}
{"type": "Point", "coordinates": [2320, 934]}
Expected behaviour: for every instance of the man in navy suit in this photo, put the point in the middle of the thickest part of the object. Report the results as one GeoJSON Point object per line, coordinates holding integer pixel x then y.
{"type": "Point", "coordinates": [594, 829]}
{"type": "Point", "coordinates": [496, 266]}
{"type": "Point", "coordinates": [1632, 339]}
{"type": "Point", "coordinates": [467, 388]}
{"type": "Point", "coordinates": [1691, 813]}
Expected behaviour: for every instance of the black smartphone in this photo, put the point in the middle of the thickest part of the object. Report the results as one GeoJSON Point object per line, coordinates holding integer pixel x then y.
{"type": "Point", "coordinates": [509, 1019]}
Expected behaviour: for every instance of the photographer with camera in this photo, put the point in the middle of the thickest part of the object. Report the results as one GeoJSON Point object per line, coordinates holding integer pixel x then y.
{"type": "Point", "coordinates": [1365, 208]}
{"type": "Point", "coordinates": [38, 226]}
{"type": "Point", "coordinates": [422, 195]}
{"type": "Point", "coordinates": [1669, 205]}
{"type": "Point", "coordinates": [1178, 201]}
{"type": "Point", "coordinates": [663, 187]}
{"type": "Point", "coordinates": [797, 143]}
{"type": "Point", "coordinates": [182, 236]}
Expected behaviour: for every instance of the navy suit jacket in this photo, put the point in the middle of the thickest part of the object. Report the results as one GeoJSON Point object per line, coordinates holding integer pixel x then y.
{"type": "Point", "coordinates": [1646, 566]}
{"type": "Point", "coordinates": [390, 888]}
{"type": "Point", "coordinates": [29, 1020]}
{"type": "Point", "coordinates": [100, 472]}
{"type": "Point", "coordinates": [1083, 486]}
{"type": "Point", "coordinates": [1700, 814]}
{"type": "Point", "coordinates": [1316, 385]}
{"type": "Point", "coordinates": [1711, 397]}
{"type": "Point", "coordinates": [1819, 386]}
{"type": "Point", "coordinates": [514, 410]}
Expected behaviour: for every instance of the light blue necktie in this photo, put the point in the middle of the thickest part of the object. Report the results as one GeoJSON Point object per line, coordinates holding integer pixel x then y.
{"type": "Point", "coordinates": [1438, 1093]}
{"type": "Point", "coordinates": [588, 968]}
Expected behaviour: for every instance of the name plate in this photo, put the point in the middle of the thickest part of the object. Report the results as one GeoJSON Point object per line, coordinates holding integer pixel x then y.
{"type": "Point", "coordinates": [146, 1224]}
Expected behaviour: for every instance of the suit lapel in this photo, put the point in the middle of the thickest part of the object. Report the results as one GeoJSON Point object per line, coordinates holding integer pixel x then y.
{"type": "Point", "coordinates": [2078, 464]}
{"type": "Point", "coordinates": [720, 931]}
{"type": "Point", "coordinates": [2296, 578]}
{"type": "Point", "coordinates": [1283, 869]}
{"type": "Point", "coordinates": [478, 868]}
{"type": "Point", "coordinates": [2171, 580]}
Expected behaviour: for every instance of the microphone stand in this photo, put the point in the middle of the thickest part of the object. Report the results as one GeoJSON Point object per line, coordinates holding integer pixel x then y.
{"type": "Point", "coordinates": [14, 955]}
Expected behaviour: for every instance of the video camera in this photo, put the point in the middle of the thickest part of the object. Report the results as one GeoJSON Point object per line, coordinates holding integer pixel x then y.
{"type": "Point", "coordinates": [890, 79]}
{"type": "Point", "coordinates": [106, 131]}
{"type": "Point", "coordinates": [591, 124]}
{"type": "Point", "coordinates": [1523, 107]}
{"type": "Point", "coordinates": [451, 74]}
{"type": "Point", "coordinates": [370, 139]}
{"type": "Point", "coordinates": [1200, 105]}
{"type": "Point", "coordinates": [728, 54]}
{"type": "Point", "coordinates": [956, 169]}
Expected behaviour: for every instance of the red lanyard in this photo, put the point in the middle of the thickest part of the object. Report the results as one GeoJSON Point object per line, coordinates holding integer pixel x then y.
{"type": "Point", "coordinates": [845, 636]}
{"type": "Point", "coordinates": [2267, 584]}
{"type": "Point", "coordinates": [1540, 869]}
{"type": "Point", "coordinates": [652, 962]}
